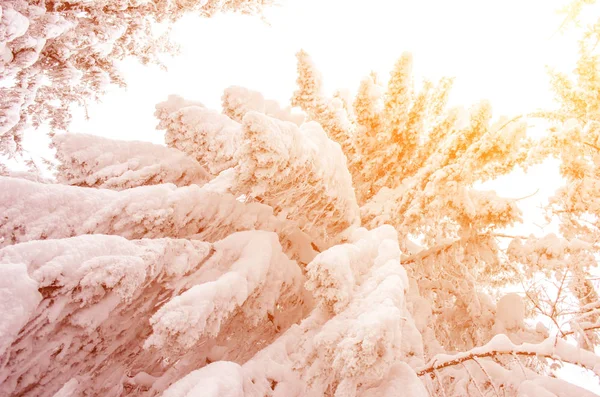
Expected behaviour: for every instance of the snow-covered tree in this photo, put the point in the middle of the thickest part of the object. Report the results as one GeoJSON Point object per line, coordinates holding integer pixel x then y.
{"type": "Point", "coordinates": [263, 252]}
{"type": "Point", "coordinates": [567, 294]}
{"type": "Point", "coordinates": [54, 53]}
{"type": "Point", "coordinates": [414, 164]}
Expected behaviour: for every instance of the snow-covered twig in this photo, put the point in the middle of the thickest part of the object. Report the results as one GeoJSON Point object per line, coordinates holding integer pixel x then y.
{"type": "Point", "coordinates": [552, 348]}
{"type": "Point", "coordinates": [430, 251]}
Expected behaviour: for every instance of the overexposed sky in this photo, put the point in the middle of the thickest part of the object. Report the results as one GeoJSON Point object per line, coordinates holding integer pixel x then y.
{"type": "Point", "coordinates": [496, 50]}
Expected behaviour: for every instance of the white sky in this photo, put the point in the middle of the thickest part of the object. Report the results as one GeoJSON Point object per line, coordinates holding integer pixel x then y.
{"type": "Point", "coordinates": [496, 50]}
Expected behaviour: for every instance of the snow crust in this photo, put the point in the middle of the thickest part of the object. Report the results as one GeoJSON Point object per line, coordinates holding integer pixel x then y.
{"type": "Point", "coordinates": [204, 134]}
{"type": "Point", "coordinates": [238, 101]}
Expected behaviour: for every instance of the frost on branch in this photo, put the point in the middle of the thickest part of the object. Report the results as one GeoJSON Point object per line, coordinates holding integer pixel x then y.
{"type": "Point", "coordinates": [409, 155]}
{"type": "Point", "coordinates": [101, 297]}
{"type": "Point", "coordinates": [88, 160]}
{"type": "Point", "coordinates": [569, 261]}
{"type": "Point", "coordinates": [443, 186]}
{"type": "Point", "coordinates": [32, 211]}
{"type": "Point", "coordinates": [566, 295]}
{"type": "Point", "coordinates": [331, 113]}
{"type": "Point", "coordinates": [359, 348]}
{"type": "Point", "coordinates": [576, 143]}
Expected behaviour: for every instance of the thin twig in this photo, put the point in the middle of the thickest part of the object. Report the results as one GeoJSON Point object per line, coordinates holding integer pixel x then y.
{"type": "Point", "coordinates": [528, 196]}
{"type": "Point", "coordinates": [473, 379]}
{"type": "Point", "coordinates": [592, 146]}
{"type": "Point", "coordinates": [488, 376]}
{"type": "Point", "coordinates": [518, 360]}
{"type": "Point", "coordinates": [437, 376]}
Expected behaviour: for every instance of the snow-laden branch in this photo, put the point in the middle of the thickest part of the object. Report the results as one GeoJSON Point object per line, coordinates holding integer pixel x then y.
{"type": "Point", "coordinates": [256, 259]}
{"type": "Point", "coordinates": [357, 342]}
{"type": "Point", "coordinates": [33, 211]}
{"type": "Point", "coordinates": [552, 348]}
{"type": "Point", "coordinates": [77, 311]}
{"type": "Point", "coordinates": [204, 134]}
{"type": "Point", "coordinates": [298, 171]}
{"type": "Point", "coordinates": [237, 101]}
{"type": "Point", "coordinates": [88, 160]}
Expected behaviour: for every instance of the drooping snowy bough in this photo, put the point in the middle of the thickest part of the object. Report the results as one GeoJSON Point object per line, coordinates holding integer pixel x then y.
{"type": "Point", "coordinates": [87, 309]}
{"type": "Point", "coordinates": [360, 338]}
{"type": "Point", "coordinates": [297, 171]}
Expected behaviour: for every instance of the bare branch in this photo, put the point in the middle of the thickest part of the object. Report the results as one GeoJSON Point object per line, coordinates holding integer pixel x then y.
{"type": "Point", "coordinates": [592, 146]}
{"type": "Point", "coordinates": [528, 196]}
{"type": "Point", "coordinates": [473, 380]}
{"type": "Point", "coordinates": [430, 251]}
{"type": "Point", "coordinates": [551, 348]}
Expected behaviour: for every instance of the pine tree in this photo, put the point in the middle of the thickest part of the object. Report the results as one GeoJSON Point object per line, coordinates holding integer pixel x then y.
{"type": "Point", "coordinates": [264, 254]}
{"type": "Point", "coordinates": [58, 53]}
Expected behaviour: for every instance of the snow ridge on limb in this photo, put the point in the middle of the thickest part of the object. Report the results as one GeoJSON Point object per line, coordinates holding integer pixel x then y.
{"type": "Point", "coordinates": [102, 296]}
{"type": "Point", "coordinates": [356, 349]}
{"type": "Point", "coordinates": [513, 377]}
{"type": "Point", "coordinates": [93, 161]}
{"type": "Point", "coordinates": [553, 348]}
{"type": "Point", "coordinates": [237, 101]}
{"type": "Point", "coordinates": [34, 211]}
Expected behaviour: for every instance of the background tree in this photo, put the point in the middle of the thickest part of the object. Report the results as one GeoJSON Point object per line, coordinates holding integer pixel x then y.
{"type": "Point", "coordinates": [57, 53]}
{"type": "Point", "coordinates": [565, 290]}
